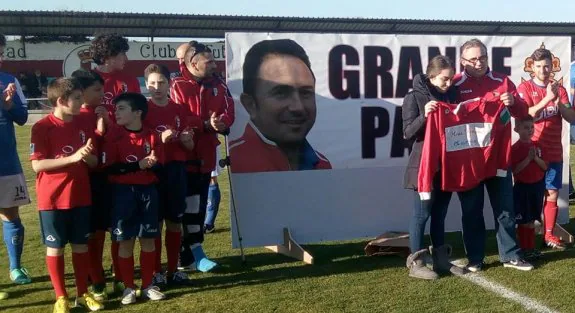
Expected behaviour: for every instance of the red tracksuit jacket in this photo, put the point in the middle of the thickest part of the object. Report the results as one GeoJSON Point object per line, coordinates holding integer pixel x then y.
{"type": "Point", "coordinates": [200, 99]}
{"type": "Point", "coordinates": [467, 142]}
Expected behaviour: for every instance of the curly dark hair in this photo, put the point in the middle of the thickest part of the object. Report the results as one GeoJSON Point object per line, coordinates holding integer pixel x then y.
{"type": "Point", "coordinates": [108, 45]}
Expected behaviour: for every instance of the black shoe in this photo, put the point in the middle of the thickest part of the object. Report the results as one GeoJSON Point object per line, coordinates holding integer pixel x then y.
{"type": "Point", "coordinates": [179, 279]}
{"type": "Point", "coordinates": [531, 255]}
{"type": "Point", "coordinates": [209, 229]}
{"type": "Point", "coordinates": [519, 264]}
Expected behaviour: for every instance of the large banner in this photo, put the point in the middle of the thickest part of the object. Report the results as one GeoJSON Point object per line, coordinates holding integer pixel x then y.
{"type": "Point", "coordinates": [352, 126]}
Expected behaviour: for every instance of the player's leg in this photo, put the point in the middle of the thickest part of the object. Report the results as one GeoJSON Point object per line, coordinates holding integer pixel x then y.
{"type": "Point", "coordinates": [79, 231]}
{"type": "Point", "coordinates": [99, 221]}
{"type": "Point", "coordinates": [553, 182]}
{"type": "Point", "coordinates": [203, 263]}
{"type": "Point", "coordinates": [14, 193]}
{"type": "Point", "coordinates": [148, 231]}
{"type": "Point", "coordinates": [214, 197]}
{"type": "Point", "coordinates": [473, 226]}
{"type": "Point", "coordinates": [54, 236]}
{"type": "Point", "coordinates": [192, 200]}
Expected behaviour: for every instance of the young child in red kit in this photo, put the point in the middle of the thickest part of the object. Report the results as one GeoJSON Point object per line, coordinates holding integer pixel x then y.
{"type": "Point", "coordinates": [529, 188]}
{"type": "Point", "coordinates": [61, 154]}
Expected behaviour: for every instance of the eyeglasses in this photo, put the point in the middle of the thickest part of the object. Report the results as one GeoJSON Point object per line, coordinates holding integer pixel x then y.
{"type": "Point", "coordinates": [474, 61]}
{"type": "Point", "coordinates": [198, 48]}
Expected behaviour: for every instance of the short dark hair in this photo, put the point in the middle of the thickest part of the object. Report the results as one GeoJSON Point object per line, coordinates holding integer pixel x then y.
{"type": "Point", "coordinates": [156, 68]}
{"type": "Point", "coordinates": [87, 78]}
{"type": "Point", "coordinates": [438, 64]}
{"type": "Point", "coordinates": [108, 45]}
{"type": "Point", "coordinates": [136, 101]}
{"type": "Point", "coordinates": [526, 118]}
{"type": "Point", "coordinates": [2, 40]}
{"type": "Point", "coordinates": [62, 87]}
{"type": "Point", "coordinates": [542, 54]}
{"type": "Point", "coordinates": [257, 53]}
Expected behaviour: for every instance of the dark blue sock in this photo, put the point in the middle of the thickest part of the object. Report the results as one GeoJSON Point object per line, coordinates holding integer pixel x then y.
{"type": "Point", "coordinates": [14, 240]}
{"type": "Point", "coordinates": [214, 196]}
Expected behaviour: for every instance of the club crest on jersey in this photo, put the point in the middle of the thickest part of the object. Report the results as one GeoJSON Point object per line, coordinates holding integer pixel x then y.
{"type": "Point", "coordinates": [556, 67]}
{"type": "Point", "coordinates": [147, 147]}
{"type": "Point", "coordinates": [215, 91]}
{"type": "Point", "coordinates": [177, 121]}
{"type": "Point", "coordinates": [83, 136]}
{"type": "Point", "coordinates": [32, 148]}
{"type": "Point", "coordinates": [124, 87]}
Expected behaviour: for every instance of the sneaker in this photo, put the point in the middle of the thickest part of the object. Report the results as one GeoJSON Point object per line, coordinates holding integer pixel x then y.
{"type": "Point", "coordinates": [179, 279]}
{"type": "Point", "coordinates": [3, 295]}
{"type": "Point", "coordinates": [20, 276]}
{"type": "Point", "coordinates": [209, 229]}
{"type": "Point", "coordinates": [532, 254]}
{"type": "Point", "coordinates": [187, 267]}
{"type": "Point", "coordinates": [519, 264]}
{"type": "Point", "coordinates": [554, 242]}
{"type": "Point", "coordinates": [475, 266]}
{"type": "Point", "coordinates": [118, 287]}
{"type": "Point", "coordinates": [99, 292]}
{"type": "Point", "coordinates": [129, 296]}
{"type": "Point", "coordinates": [62, 305]}
{"type": "Point", "coordinates": [159, 280]}
{"type": "Point", "coordinates": [153, 293]}
{"type": "Point", "coordinates": [88, 301]}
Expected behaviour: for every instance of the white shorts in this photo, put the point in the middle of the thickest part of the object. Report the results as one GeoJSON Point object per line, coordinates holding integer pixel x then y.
{"type": "Point", "coordinates": [13, 191]}
{"type": "Point", "coordinates": [216, 170]}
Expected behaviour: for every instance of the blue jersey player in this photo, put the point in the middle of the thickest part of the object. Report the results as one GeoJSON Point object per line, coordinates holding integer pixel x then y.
{"type": "Point", "coordinates": [13, 190]}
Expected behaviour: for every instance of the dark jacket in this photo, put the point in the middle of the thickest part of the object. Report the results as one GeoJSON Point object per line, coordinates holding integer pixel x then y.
{"type": "Point", "coordinates": [413, 114]}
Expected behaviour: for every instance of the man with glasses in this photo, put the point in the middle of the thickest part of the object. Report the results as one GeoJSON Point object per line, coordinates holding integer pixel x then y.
{"type": "Point", "coordinates": [477, 80]}
{"type": "Point", "coordinates": [206, 98]}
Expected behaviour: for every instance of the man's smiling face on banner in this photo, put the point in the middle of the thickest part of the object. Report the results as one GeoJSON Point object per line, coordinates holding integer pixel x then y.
{"type": "Point", "coordinates": [283, 107]}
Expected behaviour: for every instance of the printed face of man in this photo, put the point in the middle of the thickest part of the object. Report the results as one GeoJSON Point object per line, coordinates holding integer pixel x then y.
{"type": "Point", "coordinates": [283, 107]}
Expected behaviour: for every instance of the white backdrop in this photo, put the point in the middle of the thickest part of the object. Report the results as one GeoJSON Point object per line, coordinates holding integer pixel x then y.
{"type": "Point", "coordinates": [359, 197]}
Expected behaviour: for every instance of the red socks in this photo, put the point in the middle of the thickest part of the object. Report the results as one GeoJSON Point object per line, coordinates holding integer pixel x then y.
{"type": "Point", "coordinates": [126, 267]}
{"type": "Point", "coordinates": [158, 247]}
{"type": "Point", "coordinates": [147, 266]}
{"type": "Point", "coordinates": [96, 250]}
{"type": "Point", "coordinates": [55, 266]}
{"type": "Point", "coordinates": [81, 271]}
{"type": "Point", "coordinates": [173, 242]}
{"type": "Point", "coordinates": [116, 261]}
{"type": "Point", "coordinates": [526, 236]}
{"type": "Point", "coordinates": [550, 217]}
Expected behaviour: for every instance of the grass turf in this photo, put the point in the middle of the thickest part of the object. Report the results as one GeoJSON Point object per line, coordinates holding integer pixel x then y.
{"type": "Point", "coordinates": [342, 279]}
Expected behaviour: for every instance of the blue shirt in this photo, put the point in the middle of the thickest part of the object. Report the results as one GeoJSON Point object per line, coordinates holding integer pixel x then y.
{"type": "Point", "coordinates": [18, 113]}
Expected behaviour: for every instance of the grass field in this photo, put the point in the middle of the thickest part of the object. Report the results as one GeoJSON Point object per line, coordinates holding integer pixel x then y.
{"type": "Point", "coordinates": [342, 280]}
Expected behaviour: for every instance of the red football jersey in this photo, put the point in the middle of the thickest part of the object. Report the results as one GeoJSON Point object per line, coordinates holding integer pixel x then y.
{"type": "Point", "coordinates": [87, 120]}
{"type": "Point", "coordinates": [116, 83]}
{"type": "Point", "coordinates": [123, 146]}
{"type": "Point", "coordinates": [172, 116]}
{"type": "Point", "coordinates": [490, 84]}
{"type": "Point", "coordinates": [548, 122]}
{"type": "Point", "coordinates": [254, 153]}
{"type": "Point", "coordinates": [67, 187]}
{"type": "Point", "coordinates": [467, 142]}
{"type": "Point", "coordinates": [532, 173]}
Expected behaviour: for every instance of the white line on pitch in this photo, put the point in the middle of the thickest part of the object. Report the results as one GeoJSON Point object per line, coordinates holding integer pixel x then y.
{"type": "Point", "coordinates": [526, 302]}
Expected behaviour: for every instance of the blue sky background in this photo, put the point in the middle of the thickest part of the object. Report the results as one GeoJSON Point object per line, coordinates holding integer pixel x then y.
{"type": "Point", "coordinates": [497, 10]}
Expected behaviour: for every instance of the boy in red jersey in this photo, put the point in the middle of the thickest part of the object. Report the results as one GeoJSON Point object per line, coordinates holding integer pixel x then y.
{"type": "Point", "coordinates": [169, 120]}
{"type": "Point", "coordinates": [529, 188]}
{"type": "Point", "coordinates": [548, 104]}
{"type": "Point", "coordinates": [130, 152]}
{"type": "Point", "coordinates": [61, 153]}
{"type": "Point", "coordinates": [91, 120]}
{"type": "Point", "coordinates": [109, 53]}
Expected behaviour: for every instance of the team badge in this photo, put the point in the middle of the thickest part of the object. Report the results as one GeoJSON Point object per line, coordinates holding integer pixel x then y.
{"type": "Point", "coordinates": [177, 121]}
{"type": "Point", "coordinates": [147, 147]}
{"type": "Point", "coordinates": [83, 136]}
{"type": "Point", "coordinates": [124, 87]}
{"type": "Point", "coordinates": [31, 148]}
{"type": "Point", "coordinates": [215, 91]}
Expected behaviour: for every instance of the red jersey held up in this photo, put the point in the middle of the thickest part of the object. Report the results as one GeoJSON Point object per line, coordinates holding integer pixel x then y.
{"type": "Point", "coordinates": [67, 187]}
{"type": "Point", "coordinates": [548, 122]}
{"type": "Point", "coordinates": [489, 85]}
{"type": "Point", "coordinates": [124, 146]}
{"type": "Point", "coordinates": [171, 116]}
{"type": "Point", "coordinates": [532, 173]}
{"type": "Point", "coordinates": [467, 142]}
{"type": "Point", "coordinates": [116, 83]}
{"type": "Point", "coordinates": [254, 153]}
{"type": "Point", "coordinates": [200, 100]}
